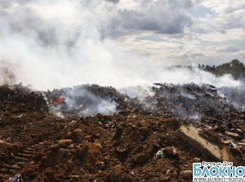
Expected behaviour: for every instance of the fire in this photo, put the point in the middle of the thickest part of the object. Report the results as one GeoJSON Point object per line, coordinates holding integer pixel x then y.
{"type": "Point", "coordinates": [59, 100]}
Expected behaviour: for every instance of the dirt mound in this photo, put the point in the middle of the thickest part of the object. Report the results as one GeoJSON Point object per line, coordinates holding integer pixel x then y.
{"type": "Point", "coordinates": [133, 144]}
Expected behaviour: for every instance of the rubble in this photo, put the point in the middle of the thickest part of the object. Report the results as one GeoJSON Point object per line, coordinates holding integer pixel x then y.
{"type": "Point", "coordinates": [65, 141]}
{"type": "Point", "coordinates": [187, 175]}
{"type": "Point", "coordinates": [156, 138]}
{"type": "Point", "coordinates": [15, 179]}
{"type": "Point", "coordinates": [191, 136]}
{"type": "Point", "coordinates": [77, 135]}
{"type": "Point", "coordinates": [231, 134]}
{"type": "Point", "coordinates": [141, 158]}
{"type": "Point", "coordinates": [170, 151]}
{"type": "Point", "coordinates": [188, 101]}
{"type": "Point", "coordinates": [118, 175]}
{"type": "Point", "coordinates": [159, 154]}
{"type": "Point", "coordinates": [7, 144]}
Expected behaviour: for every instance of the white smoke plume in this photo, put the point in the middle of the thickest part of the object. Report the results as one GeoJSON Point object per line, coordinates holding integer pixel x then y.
{"type": "Point", "coordinates": [7, 74]}
{"type": "Point", "coordinates": [58, 43]}
{"type": "Point", "coordinates": [83, 102]}
{"type": "Point", "coordinates": [235, 95]}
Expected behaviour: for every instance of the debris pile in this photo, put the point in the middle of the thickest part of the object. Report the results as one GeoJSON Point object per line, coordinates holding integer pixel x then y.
{"type": "Point", "coordinates": [235, 96]}
{"type": "Point", "coordinates": [138, 140]}
{"type": "Point", "coordinates": [85, 100]}
{"type": "Point", "coordinates": [189, 101]}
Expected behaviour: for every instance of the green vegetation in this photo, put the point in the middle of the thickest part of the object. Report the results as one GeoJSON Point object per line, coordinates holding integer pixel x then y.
{"type": "Point", "coordinates": [235, 68]}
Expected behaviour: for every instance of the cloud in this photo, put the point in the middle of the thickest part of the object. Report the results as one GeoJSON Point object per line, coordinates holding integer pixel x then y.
{"type": "Point", "coordinates": [140, 21]}
{"type": "Point", "coordinates": [76, 42]}
{"type": "Point", "coordinates": [113, 1]}
{"type": "Point", "coordinates": [230, 49]}
{"type": "Point", "coordinates": [234, 6]}
{"type": "Point", "coordinates": [235, 19]}
{"type": "Point", "coordinates": [228, 14]}
{"type": "Point", "coordinates": [168, 17]}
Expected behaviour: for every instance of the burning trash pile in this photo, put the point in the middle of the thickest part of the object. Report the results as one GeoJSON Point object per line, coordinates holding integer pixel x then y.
{"type": "Point", "coordinates": [188, 101]}
{"type": "Point", "coordinates": [109, 135]}
{"type": "Point", "coordinates": [84, 100]}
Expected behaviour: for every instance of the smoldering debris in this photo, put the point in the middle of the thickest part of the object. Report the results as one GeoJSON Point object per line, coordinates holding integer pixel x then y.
{"type": "Point", "coordinates": [188, 101]}
{"type": "Point", "coordinates": [234, 95]}
{"type": "Point", "coordinates": [133, 144]}
{"type": "Point", "coordinates": [84, 100]}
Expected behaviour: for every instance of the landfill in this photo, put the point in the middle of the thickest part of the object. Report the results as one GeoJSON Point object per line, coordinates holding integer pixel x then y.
{"type": "Point", "coordinates": [91, 133]}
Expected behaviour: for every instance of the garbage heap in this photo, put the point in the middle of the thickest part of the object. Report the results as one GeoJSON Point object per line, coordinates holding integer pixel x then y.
{"type": "Point", "coordinates": [189, 101]}
{"type": "Point", "coordinates": [141, 140]}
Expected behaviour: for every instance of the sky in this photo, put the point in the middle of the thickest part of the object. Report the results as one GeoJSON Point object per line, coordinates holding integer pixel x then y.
{"type": "Point", "coordinates": [172, 31]}
{"type": "Point", "coordinates": [186, 32]}
{"type": "Point", "coordinates": [112, 42]}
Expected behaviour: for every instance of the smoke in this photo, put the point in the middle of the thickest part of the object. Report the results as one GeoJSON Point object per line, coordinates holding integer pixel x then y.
{"type": "Point", "coordinates": [188, 96]}
{"type": "Point", "coordinates": [59, 43]}
{"type": "Point", "coordinates": [84, 100]}
{"type": "Point", "coordinates": [7, 74]}
{"type": "Point", "coordinates": [234, 95]}
{"type": "Point", "coordinates": [189, 101]}
{"type": "Point", "coordinates": [139, 92]}
{"type": "Point", "coordinates": [85, 103]}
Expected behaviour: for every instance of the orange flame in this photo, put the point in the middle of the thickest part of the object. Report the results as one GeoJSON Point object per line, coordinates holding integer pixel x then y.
{"type": "Point", "coordinates": [59, 100]}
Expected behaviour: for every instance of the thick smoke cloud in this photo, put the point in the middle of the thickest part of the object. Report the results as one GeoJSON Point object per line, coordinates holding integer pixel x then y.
{"type": "Point", "coordinates": [57, 43]}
